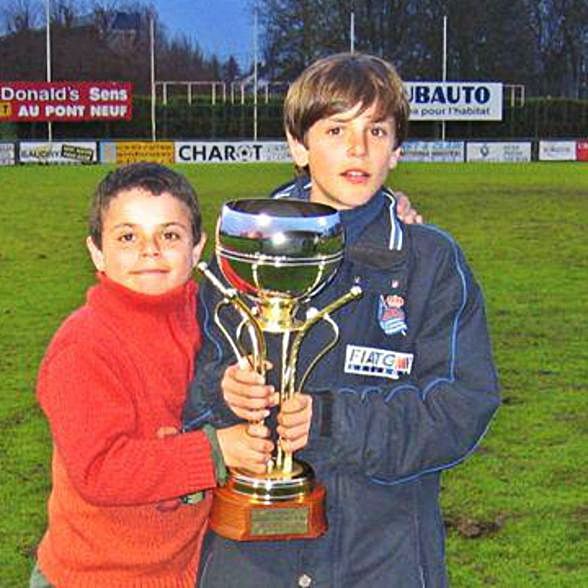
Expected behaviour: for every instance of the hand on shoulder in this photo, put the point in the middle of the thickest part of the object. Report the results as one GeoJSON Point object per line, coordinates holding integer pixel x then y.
{"type": "Point", "coordinates": [406, 213]}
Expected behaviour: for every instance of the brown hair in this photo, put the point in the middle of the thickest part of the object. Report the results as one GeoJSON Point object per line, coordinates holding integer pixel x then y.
{"type": "Point", "coordinates": [337, 83]}
{"type": "Point", "coordinates": [151, 177]}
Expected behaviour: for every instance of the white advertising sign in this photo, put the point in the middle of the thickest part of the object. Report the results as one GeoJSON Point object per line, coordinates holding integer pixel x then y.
{"type": "Point", "coordinates": [499, 152]}
{"type": "Point", "coordinates": [7, 154]}
{"type": "Point", "coordinates": [237, 152]}
{"type": "Point", "coordinates": [454, 100]}
{"type": "Point", "coordinates": [433, 151]}
{"type": "Point", "coordinates": [58, 152]}
{"type": "Point", "coordinates": [557, 150]}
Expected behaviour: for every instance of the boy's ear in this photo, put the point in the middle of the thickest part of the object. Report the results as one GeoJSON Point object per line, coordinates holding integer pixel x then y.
{"type": "Point", "coordinates": [96, 254]}
{"type": "Point", "coordinates": [395, 157]}
{"type": "Point", "coordinates": [298, 151]}
{"type": "Point", "coordinates": [198, 248]}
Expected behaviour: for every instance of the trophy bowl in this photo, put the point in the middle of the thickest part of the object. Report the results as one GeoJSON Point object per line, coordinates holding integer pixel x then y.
{"type": "Point", "coordinates": [286, 249]}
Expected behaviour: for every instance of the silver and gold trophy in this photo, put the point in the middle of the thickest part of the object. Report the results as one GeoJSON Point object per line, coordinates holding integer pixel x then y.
{"type": "Point", "coordinates": [275, 255]}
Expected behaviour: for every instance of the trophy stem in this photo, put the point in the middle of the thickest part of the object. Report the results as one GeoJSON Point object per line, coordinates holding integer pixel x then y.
{"type": "Point", "coordinates": [284, 364]}
{"type": "Point", "coordinates": [284, 459]}
{"type": "Point", "coordinates": [276, 314]}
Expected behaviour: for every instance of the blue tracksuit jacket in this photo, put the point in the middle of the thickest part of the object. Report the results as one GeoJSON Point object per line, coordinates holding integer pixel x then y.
{"type": "Point", "coordinates": [408, 392]}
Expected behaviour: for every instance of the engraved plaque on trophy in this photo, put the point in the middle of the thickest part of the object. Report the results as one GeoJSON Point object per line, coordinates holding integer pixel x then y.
{"type": "Point", "coordinates": [275, 255]}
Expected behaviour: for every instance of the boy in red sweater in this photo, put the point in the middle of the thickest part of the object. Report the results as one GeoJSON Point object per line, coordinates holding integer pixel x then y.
{"type": "Point", "coordinates": [112, 385]}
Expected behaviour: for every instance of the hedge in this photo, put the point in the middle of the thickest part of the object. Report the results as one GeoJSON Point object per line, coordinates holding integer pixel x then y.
{"type": "Point", "coordinates": [538, 118]}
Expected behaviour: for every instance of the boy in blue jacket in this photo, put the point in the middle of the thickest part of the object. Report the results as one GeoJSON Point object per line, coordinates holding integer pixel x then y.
{"type": "Point", "coordinates": [410, 388]}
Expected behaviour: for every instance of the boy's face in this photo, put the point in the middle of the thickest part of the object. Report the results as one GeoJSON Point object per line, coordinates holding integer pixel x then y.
{"type": "Point", "coordinates": [147, 242]}
{"type": "Point", "coordinates": [349, 156]}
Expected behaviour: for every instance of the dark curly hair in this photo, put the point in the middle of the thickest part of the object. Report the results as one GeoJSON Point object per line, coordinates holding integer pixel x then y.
{"type": "Point", "coordinates": [151, 177]}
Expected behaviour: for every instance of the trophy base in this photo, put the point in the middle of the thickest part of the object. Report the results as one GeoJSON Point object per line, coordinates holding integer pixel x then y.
{"type": "Point", "coordinates": [269, 508]}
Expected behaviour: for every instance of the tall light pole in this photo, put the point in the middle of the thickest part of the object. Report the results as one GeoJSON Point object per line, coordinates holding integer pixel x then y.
{"type": "Point", "coordinates": [48, 56]}
{"type": "Point", "coordinates": [444, 68]}
{"type": "Point", "coordinates": [255, 72]}
{"type": "Point", "coordinates": [352, 32]}
{"type": "Point", "coordinates": [152, 60]}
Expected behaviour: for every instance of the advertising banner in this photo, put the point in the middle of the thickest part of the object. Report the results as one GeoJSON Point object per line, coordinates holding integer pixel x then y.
{"type": "Point", "coordinates": [557, 150]}
{"type": "Point", "coordinates": [134, 151]}
{"type": "Point", "coordinates": [499, 151]}
{"type": "Point", "coordinates": [65, 101]}
{"type": "Point", "coordinates": [433, 151]}
{"type": "Point", "coordinates": [7, 154]}
{"type": "Point", "coordinates": [238, 152]}
{"type": "Point", "coordinates": [454, 100]}
{"type": "Point", "coordinates": [582, 150]}
{"type": "Point", "coordinates": [58, 152]}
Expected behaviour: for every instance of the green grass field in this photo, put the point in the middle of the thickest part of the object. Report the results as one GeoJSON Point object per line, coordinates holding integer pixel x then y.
{"type": "Point", "coordinates": [516, 512]}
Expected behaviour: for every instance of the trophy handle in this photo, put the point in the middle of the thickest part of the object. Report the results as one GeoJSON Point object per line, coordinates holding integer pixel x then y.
{"type": "Point", "coordinates": [325, 350]}
{"type": "Point", "coordinates": [258, 356]}
{"type": "Point", "coordinates": [313, 317]}
{"type": "Point", "coordinates": [238, 350]}
{"type": "Point", "coordinates": [253, 358]}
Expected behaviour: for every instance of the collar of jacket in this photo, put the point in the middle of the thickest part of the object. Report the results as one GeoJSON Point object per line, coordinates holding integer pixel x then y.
{"type": "Point", "coordinates": [372, 247]}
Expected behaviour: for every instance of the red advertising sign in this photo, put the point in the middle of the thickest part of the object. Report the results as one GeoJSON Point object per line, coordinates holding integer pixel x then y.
{"type": "Point", "coordinates": [65, 101]}
{"type": "Point", "coordinates": [582, 150]}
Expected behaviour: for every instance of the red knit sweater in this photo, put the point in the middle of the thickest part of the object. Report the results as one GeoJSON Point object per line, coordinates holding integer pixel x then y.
{"type": "Point", "coordinates": [114, 375]}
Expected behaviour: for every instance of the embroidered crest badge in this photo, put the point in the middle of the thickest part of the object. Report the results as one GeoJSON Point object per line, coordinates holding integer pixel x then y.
{"type": "Point", "coordinates": [391, 315]}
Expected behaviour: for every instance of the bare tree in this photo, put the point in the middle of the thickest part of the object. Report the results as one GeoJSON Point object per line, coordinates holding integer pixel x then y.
{"type": "Point", "coordinates": [539, 43]}
{"type": "Point", "coordinates": [65, 12]}
{"type": "Point", "coordinates": [293, 34]}
{"type": "Point", "coordinates": [559, 30]}
{"type": "Point", "coordinates": [231, 70]}
{"type": "Point", "coordinates": [21, 15]}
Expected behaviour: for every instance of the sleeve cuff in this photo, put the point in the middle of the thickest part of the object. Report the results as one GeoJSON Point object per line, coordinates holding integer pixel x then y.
{"type": "Point", "coordinates": [217, 456]}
